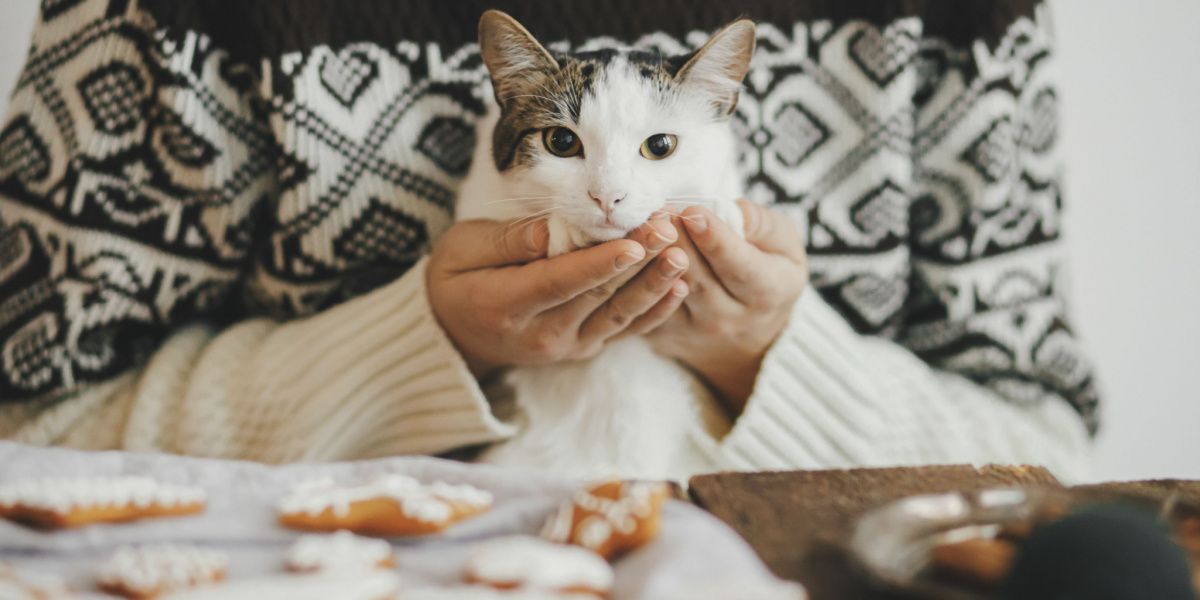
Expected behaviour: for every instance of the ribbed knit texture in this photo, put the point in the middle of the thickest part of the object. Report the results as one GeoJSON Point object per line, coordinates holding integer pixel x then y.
{"type": "Point", "coordinates": [828, 397]}
{"type": "Point", "coordinates": [374, 376]}
{"type": "Point", "coordinates": [212, 218]}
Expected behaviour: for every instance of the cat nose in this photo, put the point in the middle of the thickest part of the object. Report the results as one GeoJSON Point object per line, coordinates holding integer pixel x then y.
{"type": "Point", "coordinates": [606, 202]}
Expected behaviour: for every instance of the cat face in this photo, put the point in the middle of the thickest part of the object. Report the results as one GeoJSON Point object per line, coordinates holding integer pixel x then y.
{"type": "Point", "coordinates": [606, 139]}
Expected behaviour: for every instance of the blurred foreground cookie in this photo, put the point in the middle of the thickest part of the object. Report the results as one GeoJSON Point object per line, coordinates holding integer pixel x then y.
{"type": "Point", "coordinates": [150, 571]}
{"type": "Point", "coordinates": [331, 585]}
{"type": "Point", "coordinates": [609, 519]}
{"type": "Point", "coordinates": [526, 563]}
{"type": "Point", "coordinates": [982, 562]}
{"type": "Point", "coordinates": [53, 503]}
{"type": "Point", "coordinates": [393, 505]}
{"type": "Point", "coordinates": [340, 551]}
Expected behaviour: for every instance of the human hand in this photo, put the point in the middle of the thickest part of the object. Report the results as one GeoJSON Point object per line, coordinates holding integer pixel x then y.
{"type": "Point", "coordinates": [503, 303]}
{"type": "Point", "coordinates": [741, 294]}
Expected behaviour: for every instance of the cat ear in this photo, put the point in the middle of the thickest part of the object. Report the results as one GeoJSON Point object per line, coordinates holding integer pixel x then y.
{"type": "Point", "coordinates": [511, 54]}
{"type": "Point", "coordinates": [719, 66]}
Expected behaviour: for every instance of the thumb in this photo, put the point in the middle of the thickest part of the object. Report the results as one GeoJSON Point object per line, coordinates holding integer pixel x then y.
{"type": "Point", "coordinates": [490, 244]}
{"type": "Point", "coordinates": [771, 231]}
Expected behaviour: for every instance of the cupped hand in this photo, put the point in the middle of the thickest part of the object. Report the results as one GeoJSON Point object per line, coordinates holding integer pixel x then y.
{"type": "Point", "coordinates": [503, 303]}
{"type": "Point", "coordinates": [741, 295]}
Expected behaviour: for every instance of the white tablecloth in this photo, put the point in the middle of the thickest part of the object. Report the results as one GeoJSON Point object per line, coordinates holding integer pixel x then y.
{"type": "Point", "coordinates": [695, 556]}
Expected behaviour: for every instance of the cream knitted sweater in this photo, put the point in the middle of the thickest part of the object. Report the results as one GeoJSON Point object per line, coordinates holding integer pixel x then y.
{"type": "Point", "coordinates": [375, 376]}
{"type": "Point", "coordinates": [212, 224]}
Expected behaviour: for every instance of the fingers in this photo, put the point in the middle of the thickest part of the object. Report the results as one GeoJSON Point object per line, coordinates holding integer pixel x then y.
{"type": "Point", "coordinates": [646, 300]}
{"type": "Point", "coordinates": [707, 294]}
{"type": "Point", "coordinates": [472, 245]}
{"type": "Point", "coordinates": [655, 236]}
{"type": "Point", "coordinates": [749, 274]}
{"type": "Point", "coordinates": [771, 231]}
{"type": "Point", "coordinates": [544, 284]}
{"type": "Point", "coordinates": [665, 310]}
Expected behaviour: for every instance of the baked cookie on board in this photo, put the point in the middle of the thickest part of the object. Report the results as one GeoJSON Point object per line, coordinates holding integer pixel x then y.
{"type": "Point", "coordinates": [394, 505]}
{"type": "Point", "coordinates": [339, 551]}
{"type": "Point", "coordinates": [610, 518]}
{"type": "Point", "coordinates": [142, 572]}
{"type": "Point", "coordinates": [58, 503]}
{"type": "Point", "coordinates": [527, 563]}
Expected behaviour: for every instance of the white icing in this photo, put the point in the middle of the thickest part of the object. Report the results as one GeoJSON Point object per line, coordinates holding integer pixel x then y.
{"type": "Point", "coordinates": [431, 503]}
{"type": "Point", "coordinates": [534, 563]}
{"type": "Point", "coordinates": [341, 550]}
{"type": "Point", "coordinates": [480, 592]}
{"type": "Point", "coordinates": [161, 567]}
{"type": "Point", "coordinates": [65, 495]}
{"type": "Point", "coordinates": [606, 516]}
{"type": "Point", "coordinates": [371, 585]}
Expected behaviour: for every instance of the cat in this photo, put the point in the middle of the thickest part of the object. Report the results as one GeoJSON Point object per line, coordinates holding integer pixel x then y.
{"type": "Point", "coordinates": [599, 142]}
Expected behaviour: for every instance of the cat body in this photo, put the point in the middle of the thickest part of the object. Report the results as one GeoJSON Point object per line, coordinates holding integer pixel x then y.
{"type": "Point", "coordinates": [598, 143]}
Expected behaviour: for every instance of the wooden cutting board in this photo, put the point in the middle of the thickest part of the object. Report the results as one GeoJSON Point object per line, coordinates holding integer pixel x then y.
{"type": "Point", "coordinates": [799, 521]}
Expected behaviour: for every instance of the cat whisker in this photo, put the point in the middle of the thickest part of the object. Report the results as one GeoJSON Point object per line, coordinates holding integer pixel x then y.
{"type": "Point", "coordinates": [521, 199]}
{"type": "Point", "coordinates": [535, 215]}
{"type": "Point", "coordinates": [692, 200]}
{"type": "Point", "coordinates": [540, 97]}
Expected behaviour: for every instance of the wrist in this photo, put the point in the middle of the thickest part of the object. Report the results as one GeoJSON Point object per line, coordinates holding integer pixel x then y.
{"type": "Point", "coordinates": [732, 378]}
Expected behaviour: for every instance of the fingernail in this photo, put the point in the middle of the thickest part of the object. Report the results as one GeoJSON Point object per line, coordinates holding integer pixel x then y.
{"type": "Point", "coordinates": [696, 223]}
{"type": "Point", "coordinates": [673, 266]}
{"type": "Point", "coordinates": [660, 240]}
{"type": "Point", "coordinates": [680, 289]}
{"type": "Point", "coordinates": [534, 235]}
{"type": "Point", "coordinates": [629, 259]}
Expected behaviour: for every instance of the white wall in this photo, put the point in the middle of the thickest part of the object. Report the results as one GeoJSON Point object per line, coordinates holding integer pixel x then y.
{"type": "Point", "coordinates": [1130, 91]}
{"type": "Point", "coordinates": [1131, 106]}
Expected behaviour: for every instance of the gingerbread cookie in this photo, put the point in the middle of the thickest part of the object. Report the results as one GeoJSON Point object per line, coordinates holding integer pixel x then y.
{"type": "Point", "coordinates": [527, 563]}
{"type": "Point", "coordinates": [483, 592]}
{"type": "Point", "coordinates": [609, 519]}
{"type": "Point", "coordinates": [340, 551]}
{"type": "Point", "coordinates": [978, 561]}
{"type": "Point", "coordinates": [149, 571]}
{"type": "Point", "coordinates": [54, 503]}
{"type": "Point", "coordinates": [393, 505]}
{"type": "Point", "coordinates": [331, 585]}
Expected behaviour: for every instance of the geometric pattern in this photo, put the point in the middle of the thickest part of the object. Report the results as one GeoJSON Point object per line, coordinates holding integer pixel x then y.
{"type": "Point", "coordinates": [147, 179]}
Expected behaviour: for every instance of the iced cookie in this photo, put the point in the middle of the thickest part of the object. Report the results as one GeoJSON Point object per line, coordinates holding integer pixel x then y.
{"type": "Point", "coordinates": [150, 571]}
{"type": "Point", "coordinates": [483, 592]}
{"type": "Point", "coordinates": [54, 503]}
{"type": "Point", "coordinates": [980, 561]}
{"type": "Point", "coordinates": [609, 519]}
{"type": "Point", "coordinates": [340, 551]}
{"type": "Point", "coordinates": [393, 505]}
{"type": "Point", "coordinates": [528, 563]}
{"type": "Point", "coordinates": [332, 585]}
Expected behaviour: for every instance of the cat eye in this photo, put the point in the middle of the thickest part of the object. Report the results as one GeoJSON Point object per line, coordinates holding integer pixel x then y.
{"type": "Point", "coordinates": [659, 146]}
{"type": "Point", "coordinates": [561, 141]}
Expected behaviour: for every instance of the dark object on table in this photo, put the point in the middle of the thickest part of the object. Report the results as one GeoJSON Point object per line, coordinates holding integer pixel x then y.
{"type": "Point", "coordinates": [1106, 552]}
{"type": "Point", "coordinates": [800, 521]}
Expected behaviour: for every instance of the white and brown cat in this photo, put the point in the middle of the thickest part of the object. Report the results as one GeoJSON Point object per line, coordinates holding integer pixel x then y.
{"type": "Point", "coordinates": [598, 142]}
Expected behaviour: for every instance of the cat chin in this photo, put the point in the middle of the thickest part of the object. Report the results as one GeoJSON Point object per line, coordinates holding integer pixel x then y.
{"type": "Point", "coordinates": [604, 234]}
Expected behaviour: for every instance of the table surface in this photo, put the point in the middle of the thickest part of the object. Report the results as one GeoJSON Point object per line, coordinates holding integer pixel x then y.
{"type": "Point", "coordinates": [799, 521]}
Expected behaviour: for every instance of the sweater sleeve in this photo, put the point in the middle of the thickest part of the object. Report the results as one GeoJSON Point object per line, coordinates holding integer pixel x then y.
{"type": "Point", "coordinates": [139, 176]}
{"type": "Point", "coordinates": [827, 396]}
{"type": "Point", "coordinates": [949, 339]}
{"type": "Point", "coordinates": [373, 376]}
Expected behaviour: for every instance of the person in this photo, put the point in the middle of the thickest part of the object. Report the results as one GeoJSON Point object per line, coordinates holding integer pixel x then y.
{"type": "Point", "coordinates": [227, 231]}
